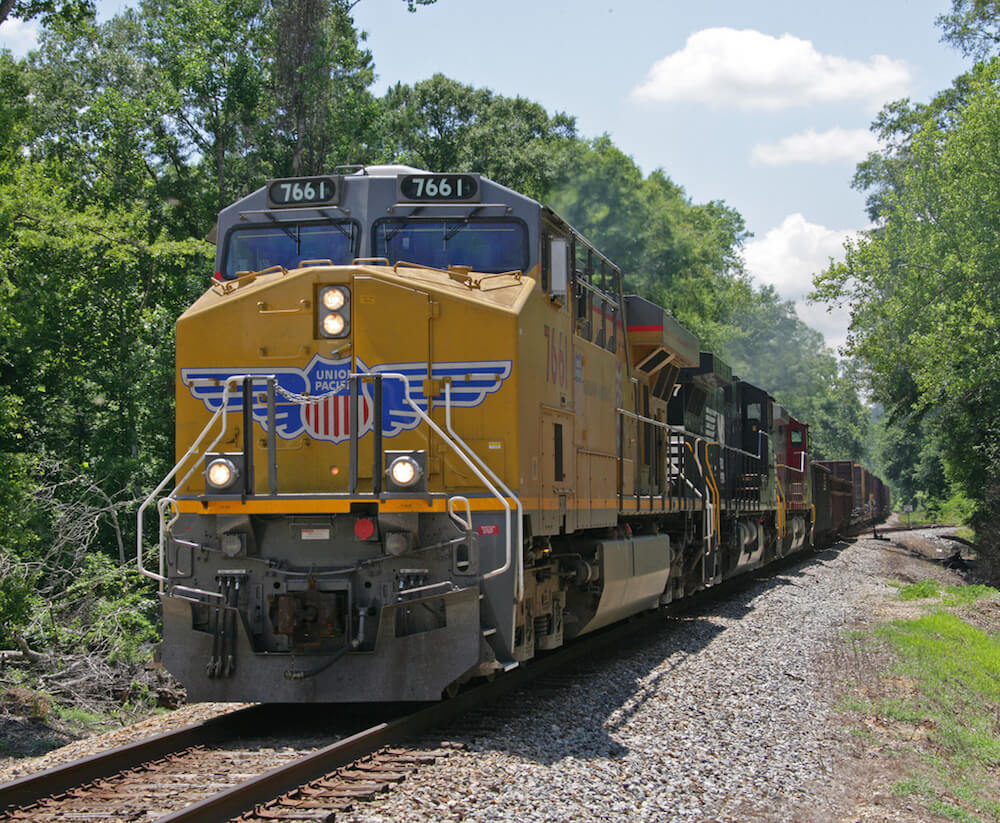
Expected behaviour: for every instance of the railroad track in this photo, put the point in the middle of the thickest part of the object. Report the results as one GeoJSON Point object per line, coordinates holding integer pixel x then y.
{"type": "Point", "coordinates": [230, 767]}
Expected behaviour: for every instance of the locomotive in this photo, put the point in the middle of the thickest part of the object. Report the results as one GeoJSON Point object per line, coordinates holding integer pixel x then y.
{"type": "Point", "coordinates": [423, 435]}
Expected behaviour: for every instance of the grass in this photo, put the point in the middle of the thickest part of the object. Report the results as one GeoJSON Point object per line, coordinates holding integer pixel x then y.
{"type": "Point", "coordinates": [919, 591]}
{"type": "Point", "coordinates": [948, 595]}
{"type": "Point", "coordinates": [940, 700]}
{"type": "Point", "coordinates": [956, 669]}
{"type": "Point", "coordinates": [81, 717]}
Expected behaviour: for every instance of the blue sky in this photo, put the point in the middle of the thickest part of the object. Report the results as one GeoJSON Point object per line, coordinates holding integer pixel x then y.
{"type": "Point", "coordinates": [764, 105]}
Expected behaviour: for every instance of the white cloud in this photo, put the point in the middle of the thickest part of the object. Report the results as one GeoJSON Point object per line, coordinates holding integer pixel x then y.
{"type": "Point", "coordinates": [788, 256]}
{"type": "Point", "coordinates": [816, 148]}
{"type": "Point", "coordinates": [18, 35]}
{"type": "Point", "coordinates": [751, 70]}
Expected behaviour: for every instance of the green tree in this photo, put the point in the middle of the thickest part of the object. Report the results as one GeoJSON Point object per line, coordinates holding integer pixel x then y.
{"type": "Point", "coordinates": [922, 285]}
{"type": "Point", "coordinates": [324, 114]}
{"type": "Point", "coordinates": [442, 125]}
{"type": "Point", "coordinates": [69, 11]}
{"type": "Point", "coordinates": [973, 26]}
{"type": "Point", "coordinates": [772, 348]}
{"type": "Point", "coordinates": [86, 330]}
{"type": "Point", "coordinates": [682, 255]}
{"type": "Point", "coordinates": [208, 56]}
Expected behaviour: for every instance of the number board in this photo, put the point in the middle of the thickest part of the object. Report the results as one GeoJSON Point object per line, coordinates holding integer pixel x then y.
{"type": "Point", "coordinates": [303, 191]}
{"type": "Point", "coordinates": [439, 188]}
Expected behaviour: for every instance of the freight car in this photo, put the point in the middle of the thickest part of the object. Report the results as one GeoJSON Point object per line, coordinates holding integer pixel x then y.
{"type": "Point", "coordinates": [423, 435]}
{"type": "Point", "coordinates": [870, 497]}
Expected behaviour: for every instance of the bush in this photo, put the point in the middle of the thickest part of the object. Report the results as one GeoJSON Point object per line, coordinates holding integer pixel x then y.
{"type": "Point", "coordinates": [106, 610]}
{"type": "Point", "coordinates": [17, 598]}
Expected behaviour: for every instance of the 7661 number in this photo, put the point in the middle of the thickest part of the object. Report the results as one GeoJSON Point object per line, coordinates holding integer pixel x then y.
{"type": "Point", "coordinates": [439, 187]}
{"type": "Point", "coordinates": [302, 190]}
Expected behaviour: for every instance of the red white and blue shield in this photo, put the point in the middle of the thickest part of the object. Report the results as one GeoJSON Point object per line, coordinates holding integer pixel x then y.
{"type": "Point", "coordinates": [329, 418]}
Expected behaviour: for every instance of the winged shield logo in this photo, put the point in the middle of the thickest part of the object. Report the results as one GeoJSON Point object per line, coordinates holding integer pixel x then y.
{"type": "Point", "coordinates": [327, 417]}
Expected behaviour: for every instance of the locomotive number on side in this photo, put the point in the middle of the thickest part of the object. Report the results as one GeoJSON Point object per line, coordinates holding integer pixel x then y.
{"type": "Point", "coordinates": [558, 355]}
{"type": "Point", "coordinates": [423, 187]}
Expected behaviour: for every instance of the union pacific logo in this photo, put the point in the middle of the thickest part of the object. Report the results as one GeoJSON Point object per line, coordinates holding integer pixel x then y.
{"type": "Point", "coordinates": [328, 416]}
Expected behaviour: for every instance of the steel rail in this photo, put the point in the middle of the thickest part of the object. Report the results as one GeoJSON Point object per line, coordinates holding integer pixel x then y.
{"type": "Point", "coordinates": [30, 789]}
{"type": "Point", "coordinates": [263, 718]}
{"type": "Point", "coordinates": [244, 798]}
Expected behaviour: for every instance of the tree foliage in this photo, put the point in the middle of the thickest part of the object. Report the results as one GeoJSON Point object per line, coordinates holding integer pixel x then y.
{"type": "Point", "coordinates": [50, 11]}
{"type": "Point", "coordinates": [922, 284]}
{"type": "Point", "coordinates": [774, 349]}
{"type": "Point", "coordinates": [973, 26]}
{"type": "Point", "coordinates": [323, 112]}
{"type": "Point", "coordinates": [682, 255]}
{"type": "Point", "coordinates": [442, 125]}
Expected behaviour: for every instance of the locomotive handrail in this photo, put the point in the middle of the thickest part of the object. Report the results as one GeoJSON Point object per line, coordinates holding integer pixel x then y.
{"type": "Point", "coordinates": [708, 513]}
{"type": "Point", "coordinates": [519, 577]}
{"type": "Point", "coordinates": [780, 511]}
{"type": "Point", "coordinates": [802, 464]}
{"type": "Point", "coordinates": [286, 212]}
{"type": "Point", "coordinates": [651, 421]}
{"type": "Point", "coordinates": [466, 524]}
{"type": "Point", "coordinates": [192, 449]}
{"type": "Point", "coordinates": [676, 430]}
{"type": "Point", "coordinates": [714, 484]}
{"type": "Point", "coordinates": [456, 205]}
{"type": "Point", "coordinates": [203, 592]}
{"type": "Point", "coordinates": [681, 430]}
{"type": "Point", "coordinates": [605, 296]}
{"type": "Point", "coordinates": [482, 478]}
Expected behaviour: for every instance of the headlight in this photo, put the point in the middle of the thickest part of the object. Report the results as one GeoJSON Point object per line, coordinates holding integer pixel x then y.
{"type": "Point", "coordinates": [333, 299]}
{"type": "Point", "coordinates": [404, 471]}
{"type": "Point", "coordinates": [333, 311]}
{"type": "Point", "coordinates": [333, 324]}
{"type": "Point", "coordinates": [221, 473]}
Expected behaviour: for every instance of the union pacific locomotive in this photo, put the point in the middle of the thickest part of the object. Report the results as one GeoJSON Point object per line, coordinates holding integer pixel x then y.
{"type": "Point", "coordinates": [423, 435]}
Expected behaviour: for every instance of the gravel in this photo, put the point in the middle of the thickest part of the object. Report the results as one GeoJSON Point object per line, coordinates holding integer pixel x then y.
{"type": "Point", "coordinates": [725, 715]}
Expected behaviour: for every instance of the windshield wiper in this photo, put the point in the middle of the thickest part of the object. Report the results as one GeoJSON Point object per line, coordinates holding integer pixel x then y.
{"type": "Point", "coordinates": [339, 225]}
{"type": "Point", "coordinates": [293, 236]}
{"type": "Point", "coordinates": [390, 234]}
{"type": "Point", "coordinates": [457, 227]}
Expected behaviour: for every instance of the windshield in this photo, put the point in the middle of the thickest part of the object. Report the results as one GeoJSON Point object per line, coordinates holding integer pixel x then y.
{"type": "Point", "coordinates": [483, 245]}
{"type": "Point", "coordinates": [255, 248]}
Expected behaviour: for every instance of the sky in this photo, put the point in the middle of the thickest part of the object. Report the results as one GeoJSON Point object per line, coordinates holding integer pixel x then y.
{"type": "Point", "coordinates": [764, 105]}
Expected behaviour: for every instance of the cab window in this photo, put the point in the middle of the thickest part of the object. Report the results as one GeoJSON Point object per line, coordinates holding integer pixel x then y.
{"type": "Point", "coordinates": [490, 246]}
{"type": "Point", "coordinates": [255, 248]}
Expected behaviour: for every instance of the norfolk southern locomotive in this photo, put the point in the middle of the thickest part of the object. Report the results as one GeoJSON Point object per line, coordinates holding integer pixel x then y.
{"type": "Point", "coordinates": [423, 435]}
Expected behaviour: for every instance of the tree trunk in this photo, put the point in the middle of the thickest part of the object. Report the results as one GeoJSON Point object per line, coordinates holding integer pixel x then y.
{"type": "Point", "coordinates": [5, 8]}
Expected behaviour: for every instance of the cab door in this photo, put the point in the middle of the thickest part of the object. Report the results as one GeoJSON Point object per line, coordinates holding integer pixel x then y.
{"type": "Point", "coordinates": [558, 471]}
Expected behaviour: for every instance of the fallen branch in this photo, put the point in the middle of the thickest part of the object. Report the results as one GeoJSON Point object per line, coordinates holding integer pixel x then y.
{"type": "Point", "coordinates": [28, 652]}
{"type": "Point", "coordinates": [956, 539]}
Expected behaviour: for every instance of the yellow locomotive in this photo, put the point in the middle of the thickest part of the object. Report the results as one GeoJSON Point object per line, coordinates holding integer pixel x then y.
{"type": "Point", "coordinates": [422, 435]}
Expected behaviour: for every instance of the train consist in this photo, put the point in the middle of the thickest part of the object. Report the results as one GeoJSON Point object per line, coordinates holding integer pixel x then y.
{"type": "Point", "coordinates": [423, 436]}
